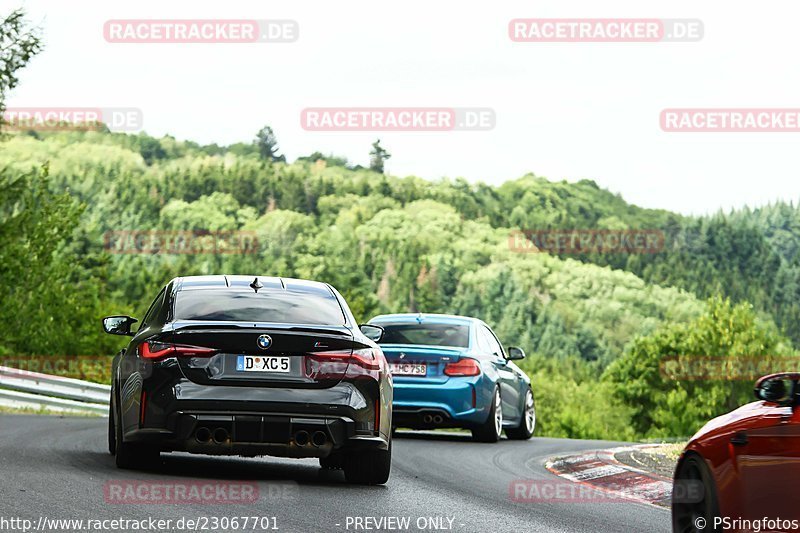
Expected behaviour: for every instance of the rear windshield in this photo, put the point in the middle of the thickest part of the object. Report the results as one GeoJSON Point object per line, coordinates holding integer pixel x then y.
{"type": "Point", "coordinates": [428, 334]}
{"type": "Point", "coordinates": [280, 306]}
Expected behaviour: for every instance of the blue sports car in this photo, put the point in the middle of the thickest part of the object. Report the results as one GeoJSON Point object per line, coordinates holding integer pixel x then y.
{"type": "Point", "coordinates": [452, 372]}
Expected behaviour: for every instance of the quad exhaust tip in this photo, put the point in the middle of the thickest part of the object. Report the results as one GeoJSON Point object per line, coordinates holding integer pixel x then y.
{"type": "Point", "coordinates": [319, 439]}
{"type": "Point", "coordinates": [203, 435]}
{"type": "Point", "coordinates": [220, 436]}
{"type": "Point", "coordinates": [304, 438]}
{"type": "Point", "coordinates": [301, 438]}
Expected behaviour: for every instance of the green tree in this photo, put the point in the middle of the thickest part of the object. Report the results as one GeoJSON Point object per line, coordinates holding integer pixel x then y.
{"type": "Point", "coordinates": [267, 143]}
{"type": "Point", "coordinates": [563, 388]}
{"type": "Point", "coordinates": [378, 156]}
{"type": "Point", "coordinates": [663, 406]}
{"type": "Point", "coordinates": [49, 284]}
{"type": "Point", "coordinates": [19, 42]}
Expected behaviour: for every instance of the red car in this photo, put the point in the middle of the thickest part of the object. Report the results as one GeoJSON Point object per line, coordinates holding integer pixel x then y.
{"type": "Point", "coordinates": [741, 470]}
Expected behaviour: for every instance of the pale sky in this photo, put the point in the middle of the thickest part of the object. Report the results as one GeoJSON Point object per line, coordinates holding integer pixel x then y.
{"type": "Point", "coordinates": [564, 110]}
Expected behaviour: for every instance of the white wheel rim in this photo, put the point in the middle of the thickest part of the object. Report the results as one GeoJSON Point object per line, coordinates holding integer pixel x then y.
{"type": "Point", "coordinates": [498, 414]}
{"type": "Point", "coordinates": [530, 413]}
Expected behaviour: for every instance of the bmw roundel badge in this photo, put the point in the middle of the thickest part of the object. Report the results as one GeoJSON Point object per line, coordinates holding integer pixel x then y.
{"type": "Point", "coordinates": [264, 341]}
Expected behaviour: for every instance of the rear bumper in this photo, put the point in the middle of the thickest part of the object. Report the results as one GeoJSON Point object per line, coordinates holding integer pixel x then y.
{"type": "Point", "coordinates": [250, 434]}
{"type": "Point", "coordinates": [453, 403]}
{"type": "Point", "coordinates": [231, 420]}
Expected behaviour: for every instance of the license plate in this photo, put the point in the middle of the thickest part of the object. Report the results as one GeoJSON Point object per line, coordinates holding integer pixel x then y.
{"type": "Point", "coordinates": [253, 363]}
{"type": "Point", "coordinates": [408, 369]}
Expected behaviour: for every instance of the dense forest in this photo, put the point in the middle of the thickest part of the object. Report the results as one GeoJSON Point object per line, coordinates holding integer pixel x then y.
{"type": "Point", "coordinates": [595, 325]}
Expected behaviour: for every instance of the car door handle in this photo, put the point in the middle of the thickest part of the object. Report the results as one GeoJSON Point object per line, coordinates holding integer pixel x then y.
{"type": "Point", "coordinates": [740, 439]}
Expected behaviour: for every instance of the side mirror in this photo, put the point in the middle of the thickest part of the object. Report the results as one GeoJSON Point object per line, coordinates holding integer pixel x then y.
{"type": "Point", "coordinates": [776, 388]}
{"type": "Point", "coordinates": [119, 325]}
{"type": "Point", "coordinates": [372, 332]}
{"type": "Point", "coordinates": [515, 353]}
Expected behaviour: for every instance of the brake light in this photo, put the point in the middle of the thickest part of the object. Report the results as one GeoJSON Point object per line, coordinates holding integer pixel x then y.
{"type": "Point", "coordinates": [337, 364]}
{"type": "Point", "coordinates": [365, 358]}
{"type": "Point", "coordinates": [160, 350]}
{"type": "Point", "coordinates": [463, 367]}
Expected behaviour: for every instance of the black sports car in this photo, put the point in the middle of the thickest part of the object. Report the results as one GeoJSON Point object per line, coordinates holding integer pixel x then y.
{"type": "Point", "coordinates": [246, 365]}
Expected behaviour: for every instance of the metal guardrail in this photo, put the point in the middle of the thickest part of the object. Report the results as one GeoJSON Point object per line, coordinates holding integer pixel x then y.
{"type": "Point", "coordinates": [36, 390]}
{"type": "Point", "coordinates": [10, 398]}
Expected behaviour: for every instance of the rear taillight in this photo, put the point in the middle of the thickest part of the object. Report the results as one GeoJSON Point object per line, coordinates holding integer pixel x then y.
{"type": "Point", "coordinates": [463, 367]}
{"type": "Point", "coordinates": [160, 350]}
{"type": "Point", "coordinates": [338, 364]}
{"type": "Point", "coordinates": [367, 358]}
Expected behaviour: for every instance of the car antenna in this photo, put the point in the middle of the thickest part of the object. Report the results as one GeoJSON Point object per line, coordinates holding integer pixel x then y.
{"type": "Point", "coordinates": [419, 318]}
{"type": "Point", "coordinates": [256, 285]}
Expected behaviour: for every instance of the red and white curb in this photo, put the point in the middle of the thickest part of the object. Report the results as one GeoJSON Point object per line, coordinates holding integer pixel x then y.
{"type": "Point", "coordinates": [600, 470]}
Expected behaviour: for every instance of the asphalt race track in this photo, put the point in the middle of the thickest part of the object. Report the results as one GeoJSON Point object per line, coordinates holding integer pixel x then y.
{"type": "Point", "coordinates": [57, 467]}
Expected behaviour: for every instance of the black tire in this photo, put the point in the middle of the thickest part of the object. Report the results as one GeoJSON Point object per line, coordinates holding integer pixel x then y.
{"type": "Point", "coordinates": [492, 429]}
{"type": "Point", "coordinates": [332, 462]}
{"type": "Point", "coordinates": [368, 467]}
{"type": "Point", "coordinates": [527, 425]}
{"type": "Point", "coordinates": [132, 455]}
{"type": "Point", "coordinates": [686, 509]}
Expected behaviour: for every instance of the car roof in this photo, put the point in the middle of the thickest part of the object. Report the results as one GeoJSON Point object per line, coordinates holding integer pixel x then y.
{"type": "Point", "coordinates": [434, 318]}
{"type": "Point", "coordinates": [244, 282]}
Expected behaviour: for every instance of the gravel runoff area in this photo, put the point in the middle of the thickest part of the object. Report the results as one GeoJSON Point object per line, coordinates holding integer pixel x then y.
{"type": "Point", "coordinates": [659, 458]}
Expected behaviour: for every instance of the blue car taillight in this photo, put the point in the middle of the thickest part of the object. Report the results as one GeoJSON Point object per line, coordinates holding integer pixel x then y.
{"type": "Point", "coordinates": [463, 367]}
